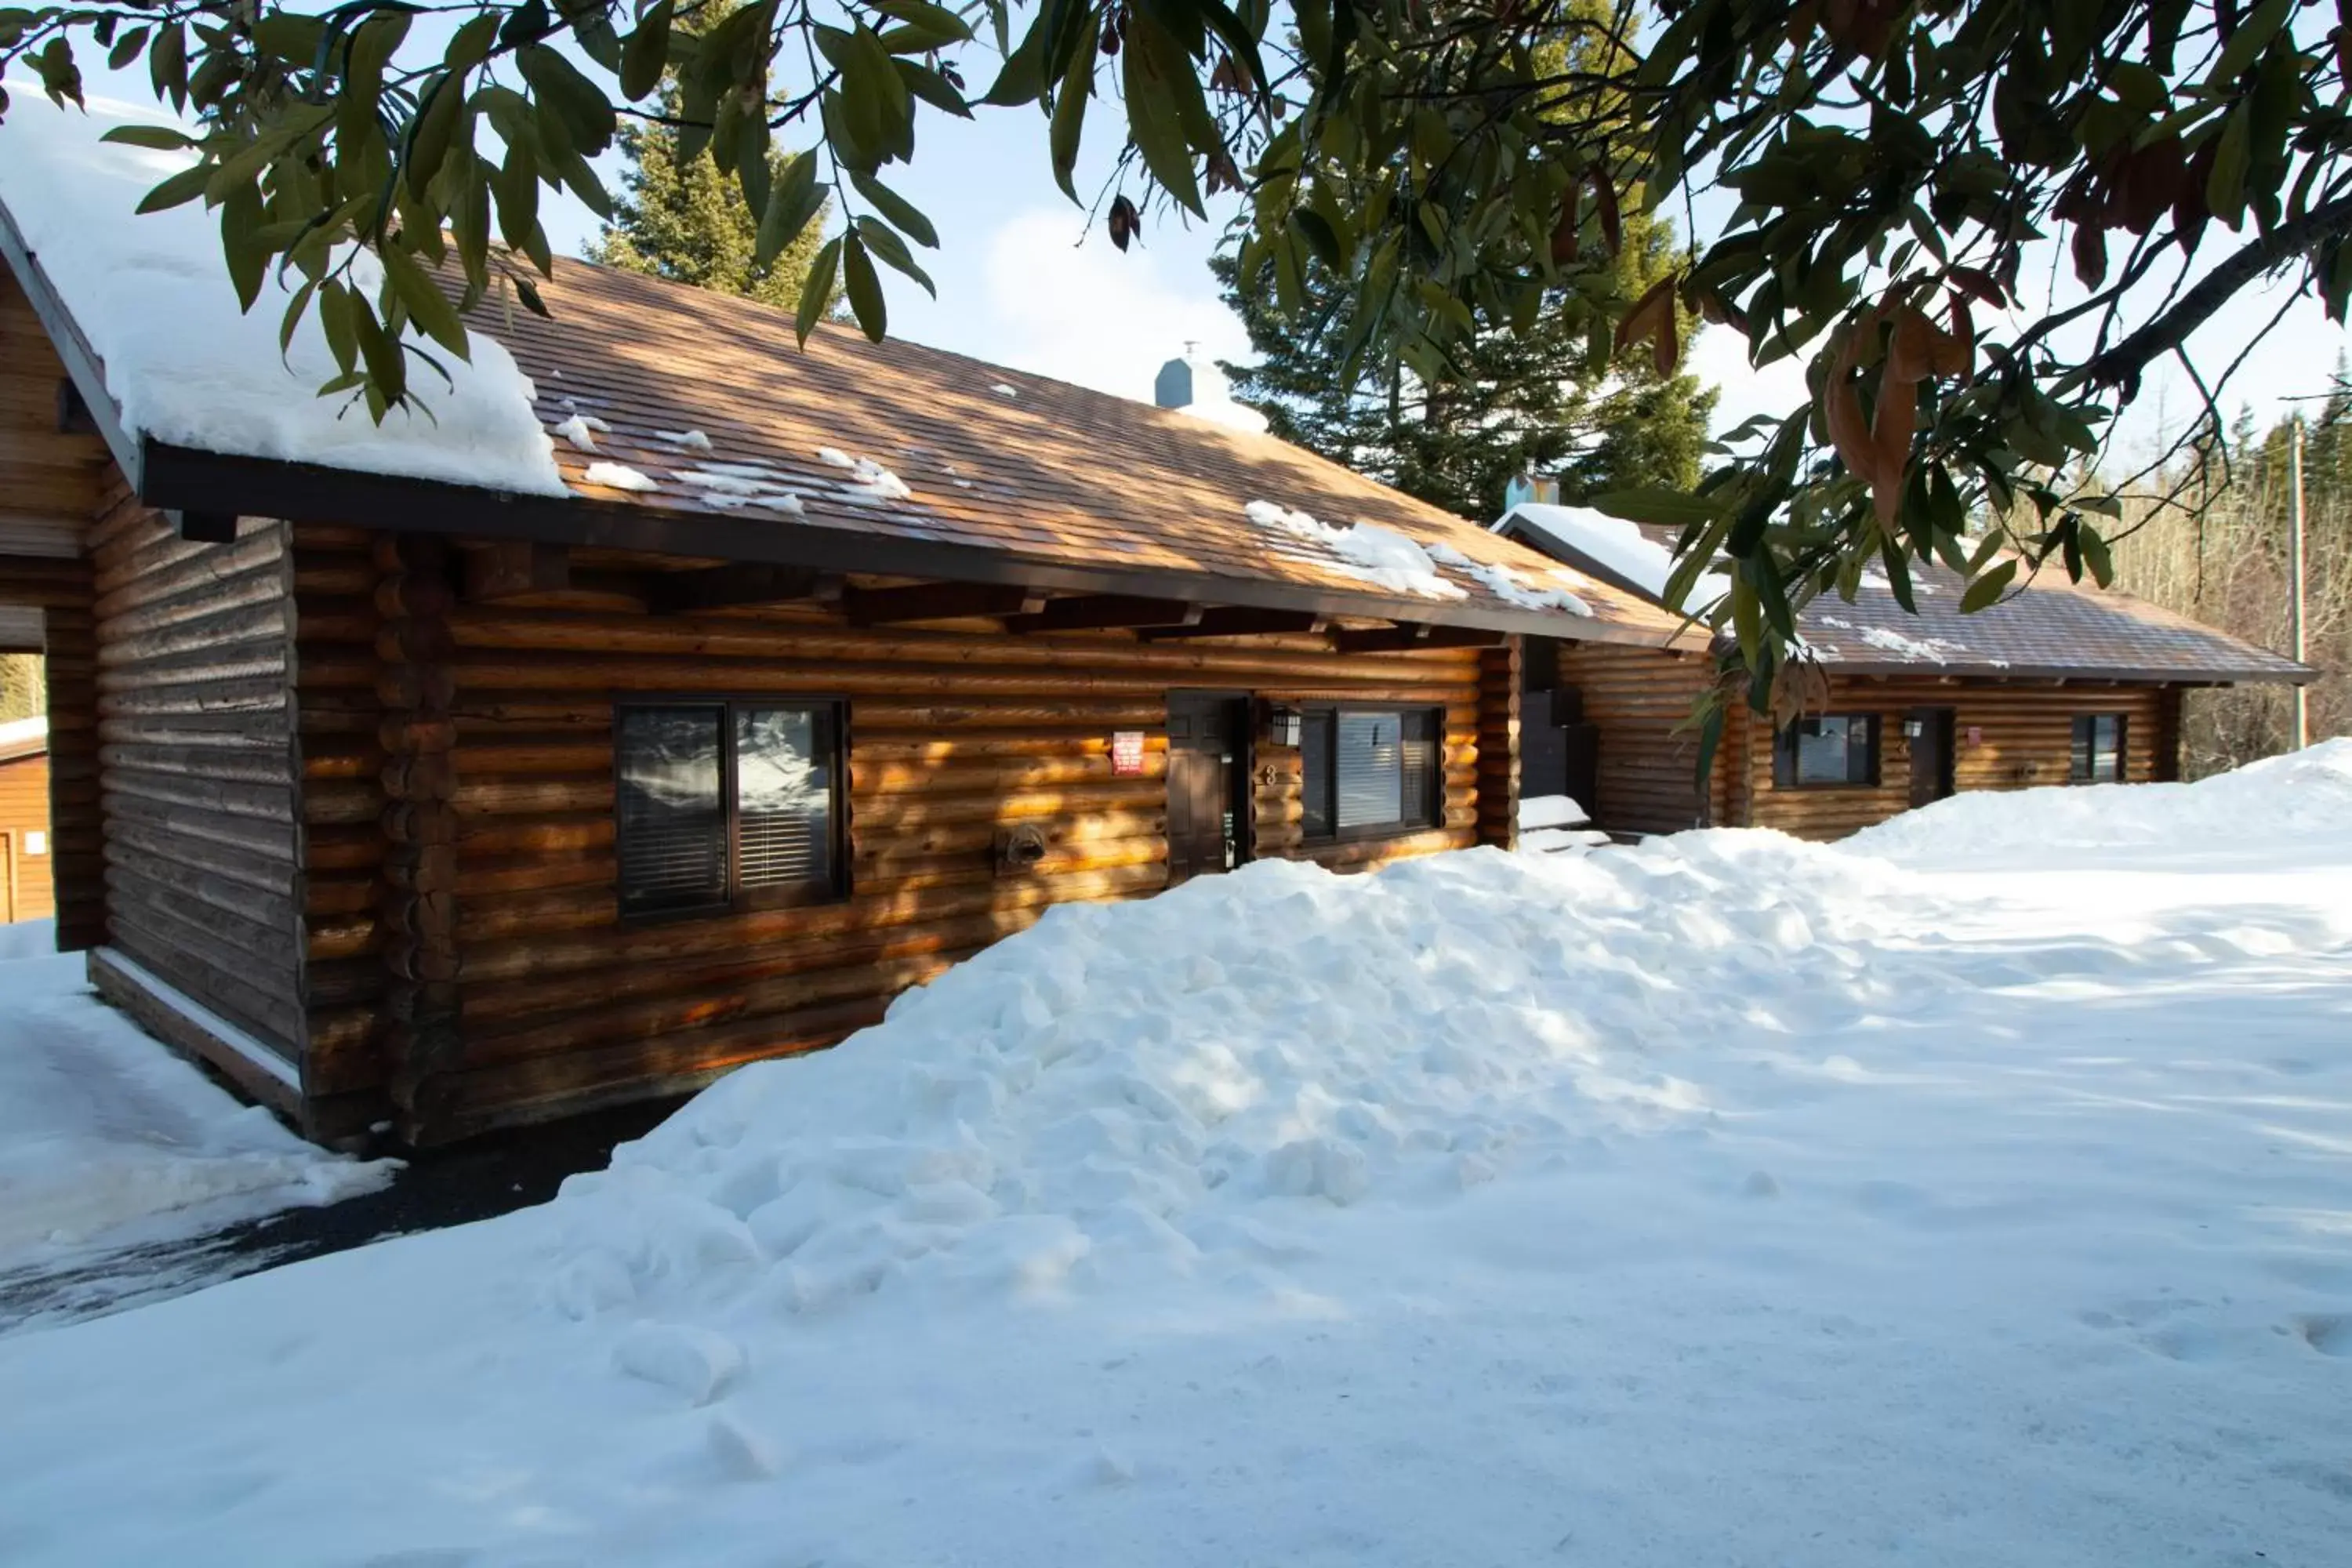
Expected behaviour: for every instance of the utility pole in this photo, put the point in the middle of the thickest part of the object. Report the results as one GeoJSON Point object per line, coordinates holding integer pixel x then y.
{"type": "Point", "coordinates": [2299, 735]}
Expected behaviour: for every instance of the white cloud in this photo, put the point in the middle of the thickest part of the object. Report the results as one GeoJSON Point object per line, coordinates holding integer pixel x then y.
{"type": "Point", "coordinates": [1088, 314]}
{"type": "Point", "coordinates": [1719, 359]}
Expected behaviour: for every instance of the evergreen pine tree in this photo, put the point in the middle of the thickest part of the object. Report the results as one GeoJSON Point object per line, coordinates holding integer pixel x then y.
{"type": "Point", "coordinates": [1536, 399]}
{"type": "Point", "coordinates": [688, 222]}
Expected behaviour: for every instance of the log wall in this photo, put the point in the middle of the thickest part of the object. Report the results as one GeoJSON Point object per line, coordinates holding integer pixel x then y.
{"type": "Point", "coordinates": [1641, 700]}
{"type": "Point", "coordinates": [196, 765]}
{"type": "Point", "coordinates": [558, 1003]}
{"type": "Point", "coordinates": [2025, 737]}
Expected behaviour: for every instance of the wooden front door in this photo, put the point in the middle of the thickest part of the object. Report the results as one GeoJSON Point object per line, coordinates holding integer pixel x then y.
{"type": "Point", "coordinates": [1929, 730]}
{"type": "Point", "coordinates": [1207, 760]}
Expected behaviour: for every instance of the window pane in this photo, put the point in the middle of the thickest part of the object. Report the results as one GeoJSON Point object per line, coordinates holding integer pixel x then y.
{"type": "Point", "coordinates": [2107, 748]}
{"type": "Point", "coordinates": [1315, 775]}
{"type": "Point", "coordinates": [1372, 770]}
{"type": "Point", "coordinates": [784, 791]}
{"type": "Point", "coordinates": [1420, 767]}
{"type": "Point", "coordinates": [2078, 765]}
{"type": "Point", "coordinates": [1822, 750]}
{"type": "Point", "coordinates": [671, 823]}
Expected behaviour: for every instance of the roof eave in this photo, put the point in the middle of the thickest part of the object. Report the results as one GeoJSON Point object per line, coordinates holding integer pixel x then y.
{"type": "Point", "coordinates": [2295, 674]}
{"type": "Point", "coordinates": [195, 480]}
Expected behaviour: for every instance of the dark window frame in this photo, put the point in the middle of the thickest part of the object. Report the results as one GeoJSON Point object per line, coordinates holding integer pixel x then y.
{"type": "Point", "coordinates": [738, 900]}
{"type": "Point", "coordinates": [2075, 746]}
{"type": "Point", "coordinates": [1785, 773]}
{"type": "Point", "coordinates": [1329, 713]}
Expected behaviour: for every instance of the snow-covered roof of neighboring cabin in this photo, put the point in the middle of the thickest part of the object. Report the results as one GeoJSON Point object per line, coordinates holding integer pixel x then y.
{"type": "Point", "coordinates": [2048, 627]}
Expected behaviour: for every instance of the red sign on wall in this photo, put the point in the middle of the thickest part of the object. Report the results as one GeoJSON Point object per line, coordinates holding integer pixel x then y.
{"type": "Point", "coordinates": [1126, 752]}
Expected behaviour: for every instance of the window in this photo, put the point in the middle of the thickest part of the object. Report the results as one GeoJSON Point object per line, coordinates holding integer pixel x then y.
{"type": "Point", "coordinates": [725, 806]}
{"type": "Point", "coordinates": [1834, 751]}
{"type": "Point", "coordinates": [2098, 755]}
{"type": "Point", "coordinates": [1368, 771]}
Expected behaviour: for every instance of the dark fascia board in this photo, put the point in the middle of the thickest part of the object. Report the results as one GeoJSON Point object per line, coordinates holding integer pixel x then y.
{"type": "Point", "coordinates": [2074, 674]}
{"type": "Point", "coordinates": [194, 480]}
{"type": "Point", "coordinates": [81, 362]}
{"type": "Point", "coordinates": [1537, 537]}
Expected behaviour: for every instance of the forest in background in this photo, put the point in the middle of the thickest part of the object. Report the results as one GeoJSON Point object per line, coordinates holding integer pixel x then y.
{"type": "Point", "coordinates": [22, 692]}
{"type": "Point", "coordinates": [2220, 555]}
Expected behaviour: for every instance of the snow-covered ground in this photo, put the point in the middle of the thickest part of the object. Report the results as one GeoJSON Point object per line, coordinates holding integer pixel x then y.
{"type": "Point", "coordinates": [1725, 1199]}
{"type": "Point", "coordinates": [113, 1152]}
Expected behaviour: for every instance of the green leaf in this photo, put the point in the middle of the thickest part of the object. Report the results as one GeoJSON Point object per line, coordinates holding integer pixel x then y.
{"type": "Point", "coordinates": [1988, 588]}
{"type": "Point", "coordinates": [932, 87]}
{"type": "Point", "coordinates": [817, 291]}
{"type": "Point", "coordinates": [155, 138]}
{"type": "Point", "coordinates": [1022, 80]}
{"type": "Point", "coordinates": [887, 245]}
{"type": "Point", "coordinates": [470, 45]}
{"type": "Point", "coordinates": [796, 199]}
{"type": "Point", "coordinates": [936, 21]}
{"type": "Point", "coordinates": [864, 287]}
{"type": "Point", "coordinates": [1070, 109]}
{"type": "Point", "coordinates": [1152, 118]}
{"type": "Point", "coordinates": [897, 209]}
{"type": "Point", "coordinates": [646, 51]}
{"type": "Point", "coordinates": [1655, 503]}
{"type": "Point", "coordinates": [2252, 36]}
{"type": "Point", "coordinates": [181, 188]}
{"type": "Point", "coordinates": [434, 130]}
{"type": "Point", "coordinates": [427, 306]}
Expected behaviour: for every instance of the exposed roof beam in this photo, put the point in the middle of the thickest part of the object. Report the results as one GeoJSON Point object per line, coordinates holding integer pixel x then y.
{"type": "Point", "coordinates": [1090, 612]}
{"type": "Point", "coordinates": [1240, 620]}
{"type": "Point", "coordinates": [746, 582]}
{"type": "Point", "coordinates": [1409, 635]}
{"type": "Point", "coordinates": [203, 527]}
{"type": "Point", "coordinates": [939, 602]}
{"type": "Point", "coordinates": [511, 568]}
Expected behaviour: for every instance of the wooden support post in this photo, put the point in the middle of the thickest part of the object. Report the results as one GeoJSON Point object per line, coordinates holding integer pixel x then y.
{"type": "Point", "coordinates": [514, 567]}
{"type": "Point", "coordinates": [745, 582]}
{"type": "Point", "coordinates": [416, 902]}
{"type": "Point", "coordinates": [1092, 612]}
{"type": "Point", "coordinates": [77, 831]}
{"type": "Point", "coordinates": [1498, 746]}
{"type": "Point", "coordinates": [939, 602]}
{"type": "Point", "coordinates": [1239, 620]}
{"type": "Point", "coordinates": [1410, 636]}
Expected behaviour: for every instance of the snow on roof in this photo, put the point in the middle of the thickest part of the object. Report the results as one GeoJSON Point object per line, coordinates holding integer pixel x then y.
{"type": "Point", "coordinates": [1513, 587]}
{"type": "Point", "coordinates": [1364, 550]}
{"type": "Point", "coordinates": [185, 367]}
{"type": "Point", "coordinates": [25, 734]}
{"type": "Point", "coordinates": [1618, 547]}
{"type": "Point", "coordinates": [619, 477]}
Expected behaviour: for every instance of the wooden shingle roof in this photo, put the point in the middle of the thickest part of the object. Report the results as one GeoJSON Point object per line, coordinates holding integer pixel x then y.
{"type": "Point", "coordinates": [1014, 466]}
{"type": "Point", "coordinates": [2049, 629]}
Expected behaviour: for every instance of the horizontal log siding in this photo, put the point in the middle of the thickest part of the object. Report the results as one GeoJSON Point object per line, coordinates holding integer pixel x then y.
{"type": "Point", "coordinates": [1640, 699]}
{"type": "Point", "coordinates": [950, 734]}
{"type": "Point", "coordinates": [2026, 729]}
{"type": "Point", "coordinates": [196, 765]}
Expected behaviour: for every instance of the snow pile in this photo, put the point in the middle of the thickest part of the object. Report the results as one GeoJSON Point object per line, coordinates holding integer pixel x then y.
{"type": "Point", "coordinates": [1619, 548]}
{"type": "Point", "coordinates": [153, 298]}
{"type": "Point", "coordinates": [1509, 585]}
{"type": "Point", "coordinates": [1551, 811]}
{"type": "Point", "coordinates": [1720, 1196]}
{"type": "Point", "coordinates": [1364, 550]}
{"type": "Point", "coordinates": [694, 441]}
{"type": "Point", "coordinates": [1930, 650]}
{"type": "Point", "coordinates": [107, 1139]}
{"type": "Point", "coordinates": [2301, 800]}
{"type": "Point", "coordinates": [728, 485]}
{"type": "Point", "coordinates": [870, 482]}
{"type": "Point", "coordinates": [576, 429]}
{"type": "Point", "coordinates": [619, 477]}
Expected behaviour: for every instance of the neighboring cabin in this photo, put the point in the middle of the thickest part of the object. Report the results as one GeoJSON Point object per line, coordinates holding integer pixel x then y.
{"type": "Point", "coordinates": [779, 683]}
{"type": "Point", "coordinates": [2056, 684]}
{"type": "Point", "coordinates": [24, 819]}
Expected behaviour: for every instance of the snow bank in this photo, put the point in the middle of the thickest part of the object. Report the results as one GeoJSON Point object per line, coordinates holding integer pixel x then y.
{"type": "Point", "coordinates": [152, 296]}
{"type": "Point", "coordinates": [107, 1139]}
{"type": "Point", "coordinates": [2303, 799]}
{"type": "Point", "coordinates": [1720, 1197]}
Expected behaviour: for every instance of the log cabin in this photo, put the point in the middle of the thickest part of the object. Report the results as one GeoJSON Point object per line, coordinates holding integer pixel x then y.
{"type": "Point", "coordinates": [773, 682]}
{"type": "Point", "coordinates": [2057, 683]}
